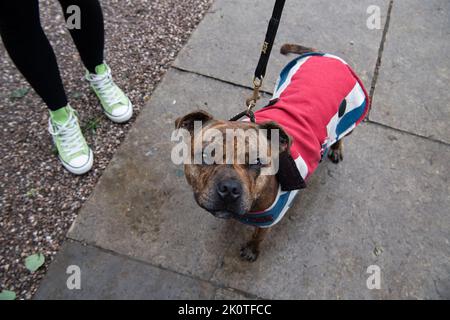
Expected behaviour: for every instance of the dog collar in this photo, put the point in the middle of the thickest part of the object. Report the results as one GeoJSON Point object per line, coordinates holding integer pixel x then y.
{"type": "Point", "coordinates": [273, 214]}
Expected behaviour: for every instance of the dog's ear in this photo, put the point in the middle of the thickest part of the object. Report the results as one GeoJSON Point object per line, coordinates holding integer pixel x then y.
{"type": "Point", "coordinates": [187, 121]}
{"type": "Point", "coordinates": [285, 139]}
{"type": "Point", "coordinates": [288, 174]}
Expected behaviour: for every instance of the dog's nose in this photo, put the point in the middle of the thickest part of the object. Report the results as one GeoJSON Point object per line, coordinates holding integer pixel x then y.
{"type": "Point", "coordinates": [229, 189]}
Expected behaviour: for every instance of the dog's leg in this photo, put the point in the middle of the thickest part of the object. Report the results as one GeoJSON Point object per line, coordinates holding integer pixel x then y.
{"type": "Point", "coordinates": [250, 251]}
{"type": "Point", "coordinates": [336, 152]}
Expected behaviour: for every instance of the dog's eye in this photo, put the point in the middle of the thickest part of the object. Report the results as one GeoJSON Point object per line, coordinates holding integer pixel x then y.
{"type": "Point", "coordinates": [205, 159]}
{"type": "Point", "coordinates": [208, 159]}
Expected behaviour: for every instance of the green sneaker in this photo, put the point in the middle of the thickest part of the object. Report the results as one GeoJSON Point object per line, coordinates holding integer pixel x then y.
{"type": "Point", "coordinates": [73, 151]}
{"type": "Point", "coordinates": [115, 103]}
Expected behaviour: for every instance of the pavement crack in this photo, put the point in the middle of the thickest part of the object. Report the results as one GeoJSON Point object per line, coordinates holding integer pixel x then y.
{"type": "Point", "coordinates": [380, 52]}
{"type": "Point", "coordinates": [407, 132]}
{"type": "Point", "coordinates": [215, 284]}
{"type": "Point", "coordinates": [218, 79]}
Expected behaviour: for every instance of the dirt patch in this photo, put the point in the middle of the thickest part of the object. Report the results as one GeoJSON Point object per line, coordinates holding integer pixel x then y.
{"type": "Point", "coordinates": [39, 200]}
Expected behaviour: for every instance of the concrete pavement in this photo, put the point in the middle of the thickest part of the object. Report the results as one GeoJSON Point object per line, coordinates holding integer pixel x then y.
{"type": "Point", "coordinates": [141, 235]}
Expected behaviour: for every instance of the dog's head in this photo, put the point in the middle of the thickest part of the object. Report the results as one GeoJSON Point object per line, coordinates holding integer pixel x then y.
{"type": "Point", "coordinates": [232, 166]}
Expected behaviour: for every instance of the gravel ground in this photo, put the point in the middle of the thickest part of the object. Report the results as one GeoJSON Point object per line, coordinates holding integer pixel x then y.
{"type": "Point", "coordinates": [39, 200]}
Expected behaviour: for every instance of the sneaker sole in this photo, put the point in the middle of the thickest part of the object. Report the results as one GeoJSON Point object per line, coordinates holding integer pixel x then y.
{"type": "Point", "coordinates": [80, 170]}
{"type": "Point", "coordinates": [123, 118]}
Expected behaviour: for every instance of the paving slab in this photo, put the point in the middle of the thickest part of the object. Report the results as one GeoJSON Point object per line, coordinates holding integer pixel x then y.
{"type": "Point", "coordinates": [386, 204]}
{"type": "Point", "coordinates": [412, 91]}
{"type": "Point", "coordinates": [108, 276]}
{"type": "Point", "coordinates": [227, 43]}
{"type": "Point", "coordinates": [142, 206]}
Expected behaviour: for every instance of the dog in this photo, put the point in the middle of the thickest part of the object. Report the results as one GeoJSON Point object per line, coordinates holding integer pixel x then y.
{"type": "Point", "coordinates": [317, 101]}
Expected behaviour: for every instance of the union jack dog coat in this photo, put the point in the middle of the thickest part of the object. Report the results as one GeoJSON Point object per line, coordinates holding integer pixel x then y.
{"type": "Point", "coordinates": [318, 99]}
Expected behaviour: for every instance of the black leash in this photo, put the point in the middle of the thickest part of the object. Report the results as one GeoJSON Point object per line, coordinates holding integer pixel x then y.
{"type": "Point", "coordinates": [261, 68]}
{"type": "Point", "coordinates": [272, 29]}
{"type": "Point", "coordinates": [248, 113]}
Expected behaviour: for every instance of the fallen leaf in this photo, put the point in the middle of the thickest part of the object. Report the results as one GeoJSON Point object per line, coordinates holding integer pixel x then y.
{"type": "Point", "coordinates": [7, 295]}
{"type": "Point", "coordinates": [377, 251]}
{"type": "Point", "coordinates": [77, 95]}
{"type": "Point", "coordinates": [20, 93]}
{"type": "Point", "coordinates": [34, 262]}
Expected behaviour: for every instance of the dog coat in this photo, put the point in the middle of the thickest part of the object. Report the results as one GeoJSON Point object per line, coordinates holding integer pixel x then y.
{"type": "Point", "coordinates": [318, 99]}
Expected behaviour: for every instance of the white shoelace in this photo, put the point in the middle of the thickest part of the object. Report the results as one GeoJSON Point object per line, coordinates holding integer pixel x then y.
{"type": "Point", "coordinates": [69, 133]}
{"type": "Point", "coordinates": [105, 86]}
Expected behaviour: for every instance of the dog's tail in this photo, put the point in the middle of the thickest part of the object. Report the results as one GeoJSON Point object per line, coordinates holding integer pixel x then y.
{"type": "Point", "coordinates": [295, 48]}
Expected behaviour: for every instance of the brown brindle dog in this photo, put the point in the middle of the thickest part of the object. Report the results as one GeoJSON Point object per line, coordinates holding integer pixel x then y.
{"type": "Point", "coordinates": [226, 190]}
{"type": "Point", "coordinates": [233, 190]}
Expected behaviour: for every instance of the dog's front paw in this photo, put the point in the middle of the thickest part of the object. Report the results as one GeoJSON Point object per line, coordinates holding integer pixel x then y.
{"type": "Point", "coordinates": [249, 252]}
{"type": "Point", "coordinates": [336, 155]}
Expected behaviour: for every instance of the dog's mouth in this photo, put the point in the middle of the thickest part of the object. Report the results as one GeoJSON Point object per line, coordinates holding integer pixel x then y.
{"type": "Point", "coordinates": [222, 210]}
{"type": "Point", "coordinates": [222, 214]}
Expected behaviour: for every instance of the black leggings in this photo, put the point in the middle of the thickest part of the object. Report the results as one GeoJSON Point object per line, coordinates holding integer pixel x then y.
{"type": "Point", "coordinates": [31, 52]}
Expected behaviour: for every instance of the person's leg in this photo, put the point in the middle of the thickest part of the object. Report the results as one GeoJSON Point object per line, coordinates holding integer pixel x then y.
{"type": "Point", "coordinates": [90, 37]}
{"type": "Point", "coordinates": [30, 50]}
{"type": "Point", "coordinates": [89, 40]}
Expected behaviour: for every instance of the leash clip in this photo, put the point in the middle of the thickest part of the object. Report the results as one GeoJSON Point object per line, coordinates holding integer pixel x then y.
{"type": "Point", "coordinates": [251, 102]}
